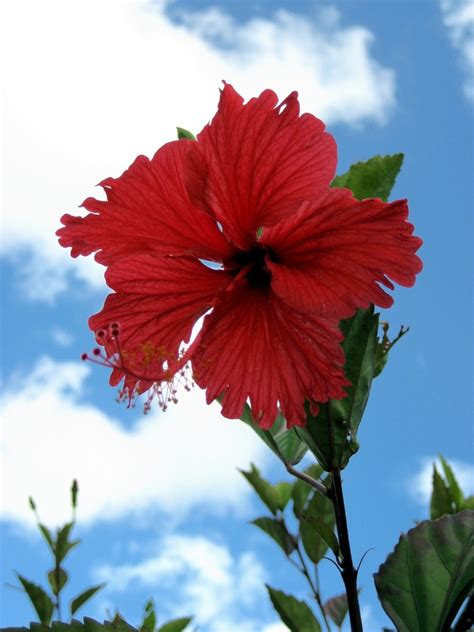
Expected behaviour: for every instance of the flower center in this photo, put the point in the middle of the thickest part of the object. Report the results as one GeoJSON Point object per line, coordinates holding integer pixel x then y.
{"type": "Point", "coordinates": [257, 275]}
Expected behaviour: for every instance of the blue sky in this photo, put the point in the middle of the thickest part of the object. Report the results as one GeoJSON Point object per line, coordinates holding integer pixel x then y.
{"type": "Point", "coordinates": [162, 509]}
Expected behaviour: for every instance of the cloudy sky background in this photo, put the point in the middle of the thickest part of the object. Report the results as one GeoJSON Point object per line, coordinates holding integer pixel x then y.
{"type": "Point", "coordinates": [163, 511]}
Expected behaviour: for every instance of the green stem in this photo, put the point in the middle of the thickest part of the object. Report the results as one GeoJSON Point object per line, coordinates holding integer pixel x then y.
{"type": "Point", "coordinates": [316, 593]}
{"type": "Point", "coordinates": [348, 572]}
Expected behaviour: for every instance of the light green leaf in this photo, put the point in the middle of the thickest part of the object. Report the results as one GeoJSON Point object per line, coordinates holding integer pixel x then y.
{"type": "Point", "coordinates": [324, 530]}
{"type": "Point", "coordinates": [149, 617]}
{"type": "Point", "coordinates": [273, 497]}
{"type": "Point", "coordinates": [440, 498]}
{"type": "Point", "coordinates": [371, 179]}
{"type": "Point", "coordinates": [39, 598]}
{"type": "Point", "coordinates": [294, 613]}
{"type": "Point", "coordinates": [455, 491]}
{"type": "Point", "coordinates": [468, 503]}
{"type": "Point", "coordinates": [277, 530]}
{"type": "Point", "coordinates": [185, 134]}
{"type": "Point", "coordinates": [176, 625]}
{"type": "Point", "coordinates": [424, 582]}
{"type": "Point", "coordinates": [84, 597]}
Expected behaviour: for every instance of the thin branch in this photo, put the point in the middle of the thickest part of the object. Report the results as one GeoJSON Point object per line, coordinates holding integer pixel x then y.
{"type": "Point", "coordinates": [307, 479]}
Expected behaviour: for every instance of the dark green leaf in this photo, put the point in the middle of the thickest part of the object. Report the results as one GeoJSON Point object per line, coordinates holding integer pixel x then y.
{"type": "Point", "coordinates": [83, 597]}
{"type": "Point", "coordinates": [88, 625]}
{"type": "Point", "coordinates": [440, 497]}
{"type": "Point", "coordinates": [32, 503]}
{"type": "Point", "coordinates": [371, 179]}
{"type": "Point", "coordinates": [424, 582]}
{"type": "Point", "coordinates": [183, 133]}
{"type": "Point", "coordinates": [74, 492]}
{"type": "Point", "coordinates": [384, 345]}
{"type": "Point", "coordinates": [455, 491]}
{"type": "Point", "coordinates": [276, 529]}
{"type": "Point", "coordinates": [47, 535]}
{"type": "Point", "coordinates": [176, 625]}
{"type": "Point", "coordinates": [359, 346]}
{"type": "Point", "coordinates": [63, 544]}
{"type": "Point", "coordinates": [319, 509]}
{"type": "Point", "coordinates": [336, 609]}
{"type": "Point", "coordinates": [325, 531]}
{"type": "Point", "coordinates": [283, 442]}
{"type": "Point", "coordinates": [294, 613]}
{"type": "Point", "coordinates": [39, 598]}
{"type": "Point", "coordinates": [149, 617]}
{"type": "Point", "coordinates": [301, 489]}
{"type": "Point", "coordinates": [57, 580]}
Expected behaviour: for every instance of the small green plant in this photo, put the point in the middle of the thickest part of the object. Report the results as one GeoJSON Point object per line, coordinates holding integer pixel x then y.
{"type": "Point", "coordinates": [48, 603]}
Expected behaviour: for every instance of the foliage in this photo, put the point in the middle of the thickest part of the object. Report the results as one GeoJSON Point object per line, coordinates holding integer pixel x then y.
{"type": "Point", "coordinates": [47, 603]}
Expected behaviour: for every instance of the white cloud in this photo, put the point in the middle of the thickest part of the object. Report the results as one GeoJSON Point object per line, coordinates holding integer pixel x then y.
{"type": "Point", "coordinates": [92, 83]}
{"type": "Point", "coordinates": [458, 17]}
{"type": "Point", "coordinates": [420, 485]}
{"type": "Point", "coordinates": [206, 580]}
{"type": "Point", "coordinates": [171, 461]}
{"type": "Point", "coordinates": [62, 337]}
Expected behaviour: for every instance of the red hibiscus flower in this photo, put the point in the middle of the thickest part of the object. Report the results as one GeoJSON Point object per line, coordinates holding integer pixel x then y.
{"type": "Point", "coordinates": [291, 258]}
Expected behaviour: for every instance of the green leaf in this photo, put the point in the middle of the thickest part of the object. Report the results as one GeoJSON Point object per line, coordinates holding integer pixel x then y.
{"type": "Point", "coordinates": [336, 608]}
{"type": "Point", "coordinates": [32, 503]}
{"type": "Point", "coordinates": [371, 179]}
{"type": "Point", "coordinates": [359, 346]}
{"type": "Point", "coordinates": [277, 530]}
{"type": "Point", "coordinates": [440, 497]}
{"type": "Point", "coordinates": [183, 133]}
{"type": "Point", "coordinates": [47, 535]}
{"type": "Point", "coordinates": [283, 492]}
{"type": "Point", "coordinates": [63, 544]}
{"type": "Point", "coordinates": [276, 496]}
{"type": "Point", "coordinates": [455, 491]}
{"type": "Point", "coordinates": [39, 598]}
{"type": "Point", "coordinates": [316, 538]}
{"type": "Point", "coordinates": [149, 617]}
{"type": "Point", "coordinates": [294, 613]}
{"type": "Point", "coordinates": [424, 582]}
{"type": "Point", "coordinates": [302, 489]}
{"type": "Point", "coordinates": [88, 625]}
{"type": "Point", "coordinates": [74, 493]}
{"type": "Point", "coordinates": [285, 443]}
{"type": "Point", "coordinates": [83, 597]}
{"type": "Point", "coordinates": [468, 503]}
{"type": "Point", "coordinates": [325, 531]}
{"type": "Point", "coordinates": [57, 580]}
{"type": "Point", "coordinates": [176, 625]}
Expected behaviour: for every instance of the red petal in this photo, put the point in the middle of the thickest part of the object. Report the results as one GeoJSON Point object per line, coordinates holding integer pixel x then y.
{"type": "Point", "coordinates": [264, 160]}
{"type": "Point", "coordinates": [254, 347]}
{"type": "Point", "coordinates": [333, 258]}
{"type": "Point", "coordinates": [158, 301]}
{"type": "Point", "coordinates": [147, 210]}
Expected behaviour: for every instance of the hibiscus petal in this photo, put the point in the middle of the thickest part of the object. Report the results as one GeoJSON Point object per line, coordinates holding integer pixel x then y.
{"type": "Point", "coordinates": [147, 210]}
{"type": "Point", "coordinates": [254, 347]}
{"type": "Point", "coordinates": [333, 258]}
{"type": "Point", "coordinates": [156, 304]}
{"type": "Point", "coordinates": [264, 160]}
